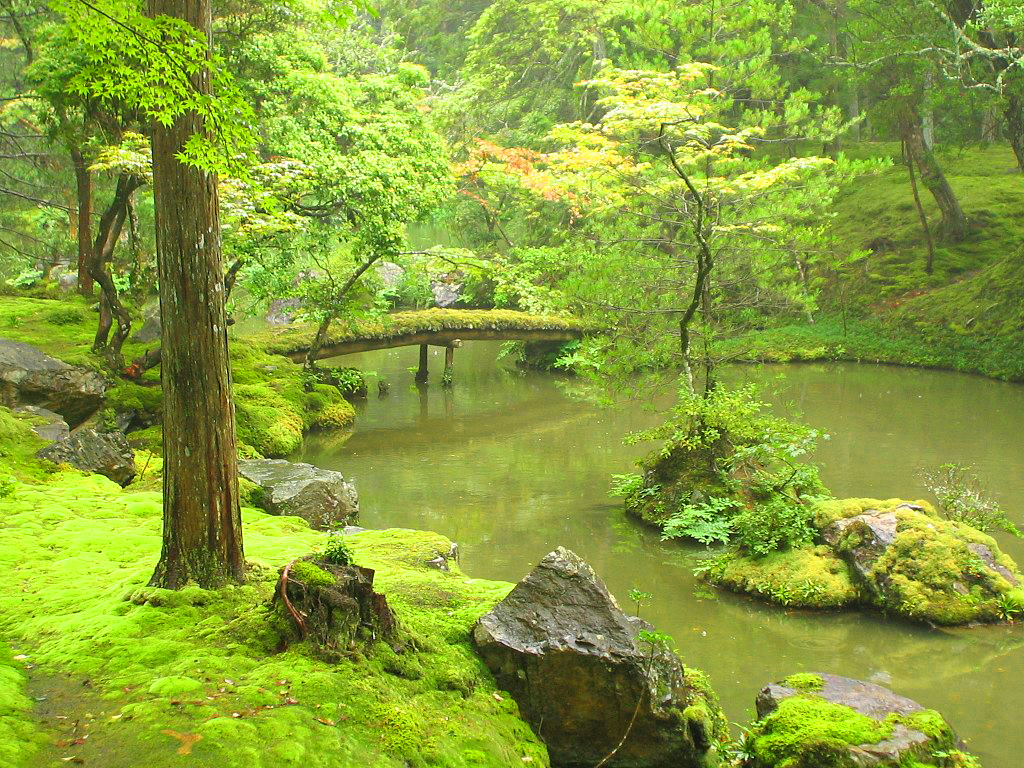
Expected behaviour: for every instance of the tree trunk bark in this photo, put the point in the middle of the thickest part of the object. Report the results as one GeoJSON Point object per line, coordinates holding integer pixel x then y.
{"type": "Point", "coordinates": [202, 534]}
{"type": "Point", "coordinates": [954, 224]}
{"type": "Point", "coordinates": [83, 184]}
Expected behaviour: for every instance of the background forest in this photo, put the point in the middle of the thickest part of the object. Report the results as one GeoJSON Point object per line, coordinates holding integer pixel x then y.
{"type": "Point", "coordinates": [771, 180]}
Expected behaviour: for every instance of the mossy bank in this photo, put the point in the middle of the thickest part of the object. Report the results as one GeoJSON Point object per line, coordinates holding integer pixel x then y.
{"type": "Point", "coordinates": [200, 671]}
{"type": "Point", "coordinates": [275, 401]}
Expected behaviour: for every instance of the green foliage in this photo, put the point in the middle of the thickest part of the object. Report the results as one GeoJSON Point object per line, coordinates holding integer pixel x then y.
{"type": "Point", "coordinates": [769, 496]}
{"type": "Point", "coordinates": [963, 497]}
{"type": "Point", "coordinates": [639, 597]}
{"type": "Point", "coordinates": [337, 552]}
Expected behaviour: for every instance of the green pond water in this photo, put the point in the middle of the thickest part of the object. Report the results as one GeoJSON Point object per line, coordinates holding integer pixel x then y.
{"type": "Point", "coordinates": [510, 466]}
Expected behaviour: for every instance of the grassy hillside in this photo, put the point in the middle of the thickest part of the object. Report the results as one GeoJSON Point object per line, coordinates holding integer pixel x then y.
{"type": "Point", "coordinates": [882, 306]}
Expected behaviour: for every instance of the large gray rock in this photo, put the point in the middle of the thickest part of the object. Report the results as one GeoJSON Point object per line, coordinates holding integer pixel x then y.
{"type": "Point", "coordinates": [151, 328]}
{"type": "Point", "coordinates": [46, 424]}
{"type": "Point", "coordinates": [447, 292]}
{"type": "Point", "coordinates": [922, 567]}
{"type": "Point", "coordinates": [105, 453]}
{"type": "Point", "coordinates": [283, 311]}
{"type": "Point", "coordinates": [581, 673]}
{"type": "Point", "coordinates": [321, 497]}
{"type": "Point", "coordinates": [812, 747]}
{"type": "Point", "coordinates": [30, 377]}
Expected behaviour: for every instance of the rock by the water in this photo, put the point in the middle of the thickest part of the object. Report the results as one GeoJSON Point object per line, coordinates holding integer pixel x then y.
{"type": "Point", "coordinates": [826, 721]}
{"type": "Point", "coordinates": [918, 565]}
{"type": "Point", "coordinates": [447, 292]}
{"type": "Point", "coordinates": [322, 497]}
{"type": "Point", "coordinates": [45, 423]}
{"type": "Point", "coordinates": [579, 669]}
{"type": "Point", "coordinates": [389, 273]}
{"type": "Point", "coordinates": [30, 377]}
{"type": "Point", "coordinates": [105, 453]}
{"type": "Point", "coordinates": [283, 311]}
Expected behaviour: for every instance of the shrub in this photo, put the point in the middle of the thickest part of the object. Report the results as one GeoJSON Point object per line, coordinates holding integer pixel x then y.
{"type": "Point", "coordinates": [964, 498]}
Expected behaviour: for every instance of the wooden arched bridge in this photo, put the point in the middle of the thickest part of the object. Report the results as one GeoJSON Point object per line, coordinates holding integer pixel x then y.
{"type": "Point", "coordinates": [430, 327]}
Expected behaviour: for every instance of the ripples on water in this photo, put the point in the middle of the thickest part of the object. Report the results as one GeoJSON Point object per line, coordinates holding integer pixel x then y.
{"type": "Point", "coordinates": [510, 467]}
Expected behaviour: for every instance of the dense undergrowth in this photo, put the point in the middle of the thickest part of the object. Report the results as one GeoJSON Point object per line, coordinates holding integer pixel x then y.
{"type": "Point", "coordinates": [203, 671]}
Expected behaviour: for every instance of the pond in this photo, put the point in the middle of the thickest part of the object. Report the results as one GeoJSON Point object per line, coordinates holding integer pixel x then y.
{"type": "Point", "coordinates": [510, 466]}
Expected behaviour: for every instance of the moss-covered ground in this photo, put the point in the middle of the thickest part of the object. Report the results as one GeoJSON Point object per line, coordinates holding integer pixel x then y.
{"type": "Point", "coordinates": [274, 401]}
{"type": "Point", "coordinates": [151, 676]}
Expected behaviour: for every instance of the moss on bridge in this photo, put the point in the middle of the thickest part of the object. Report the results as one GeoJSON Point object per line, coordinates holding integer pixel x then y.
{"type": "Point", "coordinates": [426, 326]}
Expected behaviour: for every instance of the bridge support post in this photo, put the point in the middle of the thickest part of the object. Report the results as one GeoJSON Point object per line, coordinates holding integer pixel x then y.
{"type": "Point", "coordinates": [449, 364]}
{"type": "Point", "coordinates": [421, 372]}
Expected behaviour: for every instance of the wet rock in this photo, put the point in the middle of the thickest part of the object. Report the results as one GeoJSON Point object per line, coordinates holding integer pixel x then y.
{"type": "Point", "coordinates": [105, 453]}
{"type": "Point", "coordinates": [45, 423]}
{"type": "Point", "coordinates": [283, 311]}
{"type": "Point", "coordinates": [30, 377]}
{"type": "Point", "coordinates": [807, 720]}
{"type": "Point", "coordinates": [915, 564]}
{"type": "Point", "coordinates": [321, 497]}
{"type": "Point", "coordinates": [389, 274]}
{"type": "Point", "coordinates": [580, 670]}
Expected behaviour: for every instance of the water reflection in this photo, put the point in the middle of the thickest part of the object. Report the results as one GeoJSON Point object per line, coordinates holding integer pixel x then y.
{"type": "Point", "coordinates": [508, 466]}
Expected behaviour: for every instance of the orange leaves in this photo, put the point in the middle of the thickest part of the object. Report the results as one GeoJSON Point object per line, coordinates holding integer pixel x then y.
{"type": "Point", "coordinates": [187, 740]}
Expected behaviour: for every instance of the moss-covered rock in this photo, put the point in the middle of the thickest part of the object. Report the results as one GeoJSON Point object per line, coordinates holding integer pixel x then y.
{"type": "Point", "coordinates": [909, 561]}
{"type": "Point", "coordinates": [671, 480]}
{"type": "Point", "coordinates": [896, 555]}
{"type": "Point", "coordinates": [826, 721]}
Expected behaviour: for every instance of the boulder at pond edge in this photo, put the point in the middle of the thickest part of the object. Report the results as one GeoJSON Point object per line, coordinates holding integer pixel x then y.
{"type": "Point", "coordinates": [585, 676]}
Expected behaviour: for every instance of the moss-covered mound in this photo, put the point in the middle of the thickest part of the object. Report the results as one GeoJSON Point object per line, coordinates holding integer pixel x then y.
{"type": "Point", "coordinates": [670, 481]}
{"type": "Point", "coordinates": [805, 577]}
{"type": "Point", "coordinates": [197, 672]}
{"type": "Point", "coordinates": [909, 561]}
{"type": "Point", "coordinates": [899, 556]}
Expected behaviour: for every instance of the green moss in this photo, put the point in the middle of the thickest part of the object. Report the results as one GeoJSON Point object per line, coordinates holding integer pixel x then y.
{"type": "Point", "coordinates": [829, 511]}
{"type": "Point", "coordinates": [806, 731]}
{"type": "Point", "coordinates": [929, 572]}
{"type": "Point", "coordinates": [18, 447]}
{"type": "Point", "coordinates": [294, 339]}
{"type": "Point", "coordinates": [804, 577]}
{"type": "Point", "coordinates": [207, 663]}
{"type": "Point", "coordinates": [20, 739]}
{"type": "Point", "coordinates": [805, 682]}
{"type": "Point", "coordinates": [310, 575]}
{"type": "Point", "coordinates": [704, 708]}
{"type": "Point", "coordinates": [336, 415]}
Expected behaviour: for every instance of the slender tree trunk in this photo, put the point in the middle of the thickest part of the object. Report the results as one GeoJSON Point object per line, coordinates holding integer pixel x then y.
{"type": "Point", "coordinates": [929, 264]}
{"type": "Point", "coordinates": [202, 534]}
{"type": "Point", "coordinates": [954, 223]}
{"type": "Point", "coordinates": [83, 185]}
{"type": "Point", "coordinates": [313, 354]}
{"type": "Point", "coordinates": [111, 308]}
{"type": "Point", "coordinates": [1014, 114]}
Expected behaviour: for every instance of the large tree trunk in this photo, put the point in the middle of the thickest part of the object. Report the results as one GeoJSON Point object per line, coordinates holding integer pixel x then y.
{"type": "Point", "coordinates": [954, 224]}
{"type": "Point", "coordinates": [83, 184]}
{"type": "Point", "coordinates": [202, 538]}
